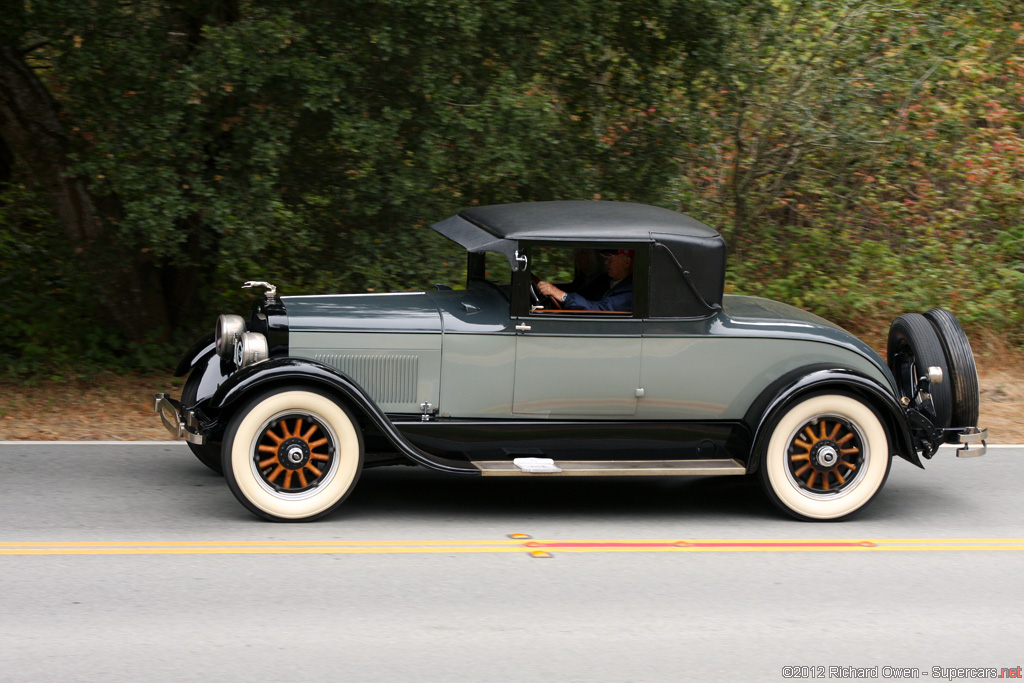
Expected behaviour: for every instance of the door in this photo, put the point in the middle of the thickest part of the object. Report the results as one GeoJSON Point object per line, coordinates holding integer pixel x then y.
{"type": "Point", "coordinates": [577, 367]}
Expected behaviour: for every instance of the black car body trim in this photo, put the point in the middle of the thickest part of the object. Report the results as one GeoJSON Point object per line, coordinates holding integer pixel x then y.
{"type": "Point", "coordinates": [801, 382]}
{"type": "Point", "coordinates": [270, 318]}
{"type": "Point", "coordinates": [247, 382]}
{"type": "Point", "coordinates": [579, 439]}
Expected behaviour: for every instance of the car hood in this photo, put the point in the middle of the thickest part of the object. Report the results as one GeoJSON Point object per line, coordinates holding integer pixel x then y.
{"type": "Point", "coordinates": [406, 312]}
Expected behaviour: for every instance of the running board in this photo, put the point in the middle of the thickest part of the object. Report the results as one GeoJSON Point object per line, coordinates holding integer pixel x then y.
{"type": "Point", "coordinates": [616, 468]}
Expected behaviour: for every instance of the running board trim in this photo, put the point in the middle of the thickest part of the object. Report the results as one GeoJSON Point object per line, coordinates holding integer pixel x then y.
{"type": "Point", "coordinates": [616, 468]}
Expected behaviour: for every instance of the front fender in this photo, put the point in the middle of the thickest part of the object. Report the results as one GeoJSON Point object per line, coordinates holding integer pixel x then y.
{"type": "Point", "coordinates": [249, 382]}
{"type": "Point", "coordinates": [780, 395]}
{"type": "Point", "coordinates": [207, 371]}
{"type": "Point", "coordinates": [203, 347]}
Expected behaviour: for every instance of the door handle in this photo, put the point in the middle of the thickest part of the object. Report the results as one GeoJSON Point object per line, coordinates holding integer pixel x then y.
{"type": "Point", "coordinates": [523, 327]}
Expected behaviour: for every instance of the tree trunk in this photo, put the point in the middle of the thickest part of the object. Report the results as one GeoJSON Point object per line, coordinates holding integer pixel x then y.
{"type": "Point", "coordinates": [127, 281]}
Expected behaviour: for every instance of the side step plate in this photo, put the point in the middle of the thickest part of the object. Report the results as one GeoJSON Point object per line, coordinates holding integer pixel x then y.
{"type": "Point", "coordinates": [616, 468]}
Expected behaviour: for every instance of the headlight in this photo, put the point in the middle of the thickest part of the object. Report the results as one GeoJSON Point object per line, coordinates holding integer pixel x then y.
{"type": "Point", "coordinates": [250, 347]}
{"type": "Point", "coordinates": [229, 328]}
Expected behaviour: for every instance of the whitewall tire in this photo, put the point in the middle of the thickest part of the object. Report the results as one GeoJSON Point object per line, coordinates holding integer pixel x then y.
{"type": "Point", "coordinates": [292, 455]}
{"type": "Point", "coordinates": [827, 456]}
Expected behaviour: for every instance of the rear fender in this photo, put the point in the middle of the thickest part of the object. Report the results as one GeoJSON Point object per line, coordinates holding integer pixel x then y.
{"type": "Point", "coordinates": [816, 379]}
{"type": "Point", "coordinates": [247, 383]}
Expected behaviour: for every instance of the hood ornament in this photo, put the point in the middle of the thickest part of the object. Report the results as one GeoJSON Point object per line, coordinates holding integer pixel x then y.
{"type": "Point", "coordinates": [271, 289]}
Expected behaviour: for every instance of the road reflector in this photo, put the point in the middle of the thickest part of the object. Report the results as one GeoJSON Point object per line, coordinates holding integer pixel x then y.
{"type": "Point", "coordinates": [539, 553]}
{"type": "Point", "coordinates": [520, 536]}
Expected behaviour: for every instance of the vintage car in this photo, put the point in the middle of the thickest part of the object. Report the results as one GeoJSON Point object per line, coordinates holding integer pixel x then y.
{"type": "Point", "coordinates": [504, 378]}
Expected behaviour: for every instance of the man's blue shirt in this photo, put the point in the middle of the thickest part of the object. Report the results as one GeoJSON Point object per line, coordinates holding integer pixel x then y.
{"type": "Point", "coordinates": [618, 298]}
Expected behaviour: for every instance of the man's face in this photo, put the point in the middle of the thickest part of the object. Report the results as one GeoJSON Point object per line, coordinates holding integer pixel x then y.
{"type": "Point", "coordinates": [618, 266]}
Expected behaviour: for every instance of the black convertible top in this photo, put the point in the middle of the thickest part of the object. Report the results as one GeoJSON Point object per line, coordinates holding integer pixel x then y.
{"type": "Point", "coordinates": [687, 257]}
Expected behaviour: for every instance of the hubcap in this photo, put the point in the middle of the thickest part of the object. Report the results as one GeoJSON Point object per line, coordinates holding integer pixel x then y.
{"type": "Point", "coordinates": [826, 456]}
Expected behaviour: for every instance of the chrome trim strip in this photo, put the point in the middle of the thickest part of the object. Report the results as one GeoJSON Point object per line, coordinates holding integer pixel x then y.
{"type": "Point", "coordinates": [321, 296]}
{"type": "Point", "coordinates": [617, 468]}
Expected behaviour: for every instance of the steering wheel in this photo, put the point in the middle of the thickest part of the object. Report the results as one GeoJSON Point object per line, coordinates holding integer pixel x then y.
{"type": "Point", "coordinates": [534, 294]}
{"type": "Point", "coordinates": [536, 297]}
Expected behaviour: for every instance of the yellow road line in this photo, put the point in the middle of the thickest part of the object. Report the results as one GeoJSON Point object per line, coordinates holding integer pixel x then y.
{"type": "Point", "coordinates": [341, 547]}
{"type": "Point", "coordinates": [162, 544]}
{"type": "Point", "coordinates": [457, 550]}
{"type": "Point", "coordinates": [499, 542]}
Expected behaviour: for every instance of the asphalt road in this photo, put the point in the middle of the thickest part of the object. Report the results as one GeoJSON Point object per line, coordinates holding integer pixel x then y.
{"type": "Point", "coordinates": [134, 562]}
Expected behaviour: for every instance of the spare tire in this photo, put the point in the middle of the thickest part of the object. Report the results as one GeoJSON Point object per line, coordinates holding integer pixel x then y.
{"type": "Point", "coordinates": [963, 374]}
{"type": "Point", "coordinates": [913, 347]}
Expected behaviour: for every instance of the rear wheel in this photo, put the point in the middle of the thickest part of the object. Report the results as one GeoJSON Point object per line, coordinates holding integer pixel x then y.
{"type": "Point", "coordinates": [963, 375]}
{"type": "Point", "coordinates": [827, 457]}
{"type": "Point", "coordinates": [914, 347]}
{"type": "Point", "coordinates": [292, 455]}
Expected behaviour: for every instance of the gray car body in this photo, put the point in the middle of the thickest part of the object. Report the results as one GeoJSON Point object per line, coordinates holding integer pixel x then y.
{"type": "Point", "coordinates": [409, 349]}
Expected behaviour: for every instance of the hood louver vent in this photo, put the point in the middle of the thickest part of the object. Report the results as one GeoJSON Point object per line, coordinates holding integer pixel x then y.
{"type": "Point", "coordinates": [388, 379]}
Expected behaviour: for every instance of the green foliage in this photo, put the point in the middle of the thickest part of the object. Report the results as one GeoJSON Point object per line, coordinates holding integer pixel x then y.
{"type": "Point", "coordinates": [866, 159]}
{"type": "Point", "coordinates": [310, 143]}
{"type": "Point", "coordinates": [51, 318]}
{"type": "Point", "coordinates": [863, 159]}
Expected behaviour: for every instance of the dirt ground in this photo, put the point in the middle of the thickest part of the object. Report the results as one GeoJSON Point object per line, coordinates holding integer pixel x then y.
{"type": "Point", "coordinates": [120, 408]}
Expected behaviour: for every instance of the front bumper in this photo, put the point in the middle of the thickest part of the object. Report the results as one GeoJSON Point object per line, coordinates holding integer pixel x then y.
{"type": "Point", "coordinates": [973, 441]}
{"type": "Point", "coordinates": [182, 424]}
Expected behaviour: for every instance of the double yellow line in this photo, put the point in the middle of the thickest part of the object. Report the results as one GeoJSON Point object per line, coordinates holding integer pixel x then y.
{"type": "Point", "coordinates": [520, 544]}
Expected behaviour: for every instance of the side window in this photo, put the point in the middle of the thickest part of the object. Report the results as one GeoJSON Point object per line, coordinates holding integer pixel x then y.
{"type": "Point", "coordinates": [496, 270]}
{"type": "Point", "coordinates": [556, 264]}
{"type": "Point", "coordinates": [491, 269]}
{"type": "Point", "coordinates": [568, 281]}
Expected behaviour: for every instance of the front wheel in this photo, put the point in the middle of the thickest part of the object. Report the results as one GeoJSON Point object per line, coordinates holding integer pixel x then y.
{"type": "Point", "coordinates": [292, 455]}
{"type": "Point", "coordinates": [827, 457]}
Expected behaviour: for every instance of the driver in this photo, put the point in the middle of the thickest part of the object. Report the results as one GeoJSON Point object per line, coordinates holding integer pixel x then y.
{"type": "Point", "coordinates": [618, 297]}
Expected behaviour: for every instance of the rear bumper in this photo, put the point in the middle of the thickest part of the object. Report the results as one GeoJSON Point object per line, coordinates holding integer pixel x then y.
{"type": "Point", "coordinates": [973, 441]}
{"type": "Point", "coordinates": [182, 424]}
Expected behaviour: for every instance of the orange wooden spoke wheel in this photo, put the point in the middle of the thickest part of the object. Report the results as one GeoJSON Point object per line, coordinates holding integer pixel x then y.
{"type": "Point", "coordinates": [825, 454]}
{"type": "Point", "coordinates": [293, 453]}
{"type": "Point", "coordinates": [826, 457]}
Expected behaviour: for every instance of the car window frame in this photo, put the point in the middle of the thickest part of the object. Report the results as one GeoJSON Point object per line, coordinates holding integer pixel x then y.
{"type": "Point", "coordinates": [520, 303]}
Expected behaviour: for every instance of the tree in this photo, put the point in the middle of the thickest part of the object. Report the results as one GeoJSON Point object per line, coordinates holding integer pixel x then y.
{"type": "Point", "coordinates": [844, 150]}
{"type": "Point", "coordinates": [185, 146]}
